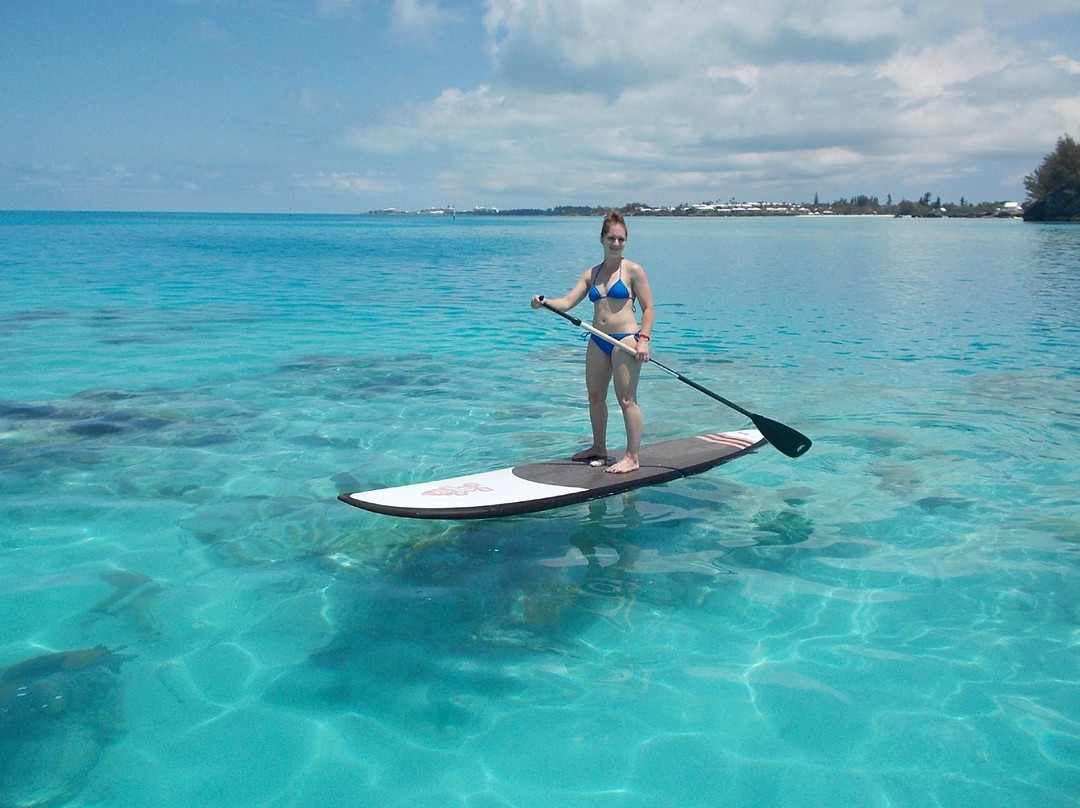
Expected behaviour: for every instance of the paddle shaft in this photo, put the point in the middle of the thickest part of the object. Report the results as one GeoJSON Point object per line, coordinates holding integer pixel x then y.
{"type": "Point", "coordinates": [783, 437]}
{"type": "Point", "coordinates": [624, 347]}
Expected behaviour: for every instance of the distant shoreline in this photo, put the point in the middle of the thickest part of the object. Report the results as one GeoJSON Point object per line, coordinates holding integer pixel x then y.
{"type": "Point", "coordinates": [862, 206]}
{"type": "Point", "coordinates": [987, 210]}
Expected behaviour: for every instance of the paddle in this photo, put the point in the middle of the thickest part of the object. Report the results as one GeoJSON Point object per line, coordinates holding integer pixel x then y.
{"type": "Point", "coordinates": [789, 441]}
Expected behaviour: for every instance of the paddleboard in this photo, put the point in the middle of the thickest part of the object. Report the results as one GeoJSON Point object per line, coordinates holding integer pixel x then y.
{"type": "Point", "coordinates": [541, 486]}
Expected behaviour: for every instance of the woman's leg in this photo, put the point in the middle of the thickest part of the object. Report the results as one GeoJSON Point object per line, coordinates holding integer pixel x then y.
{"type": "Point", "coordinates": [626, 371]}
{"type": "Point", "coordinates": [597, 381]}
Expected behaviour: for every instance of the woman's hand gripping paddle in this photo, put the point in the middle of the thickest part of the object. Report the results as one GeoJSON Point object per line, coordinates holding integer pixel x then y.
{"type": "Point", "coordinates": [789, 441]}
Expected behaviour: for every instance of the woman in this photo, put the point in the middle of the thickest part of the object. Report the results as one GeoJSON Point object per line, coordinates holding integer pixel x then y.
{"type": "Point", "coordinates": [613, 286]}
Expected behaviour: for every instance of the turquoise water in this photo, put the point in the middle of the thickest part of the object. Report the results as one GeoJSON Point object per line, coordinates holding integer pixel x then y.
{"type": "Point", "coordinates": [891, 620]}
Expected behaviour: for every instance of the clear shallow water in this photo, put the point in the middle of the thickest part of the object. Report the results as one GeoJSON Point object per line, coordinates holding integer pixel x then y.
{"type": "Point", "coordinates": [890, 620]}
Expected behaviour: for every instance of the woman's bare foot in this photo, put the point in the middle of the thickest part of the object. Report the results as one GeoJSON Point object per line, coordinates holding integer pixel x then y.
{"type": "Point", "coordinates": [625, 465]}
{"type": "Point", "coordinates": [592, 453]}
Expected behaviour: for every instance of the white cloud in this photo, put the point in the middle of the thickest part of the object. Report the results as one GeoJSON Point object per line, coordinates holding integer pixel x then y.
{"type": "Point", "coordinates": [613, 44]}
{"type": "Point", "coordinates": [344, 182]}
{"type": "Point", "coordinates": [337, 8]}
{"type": "Point", "coordinates": [1070, 66]}
{"type": "Point", "coordinates": [209, 31]}
{"type": "Point", "coordinates": [420, 19]}
{"type": "Point", "coordinates": [624, 94]}
{"type": "Point", "coordinates": [934, 69]}
{"type": "Point", "coordinates": [315, 102]}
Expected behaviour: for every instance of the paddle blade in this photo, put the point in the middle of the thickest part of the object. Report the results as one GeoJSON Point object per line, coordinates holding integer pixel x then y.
{"type": "Point", "coordinates": [789, 441]}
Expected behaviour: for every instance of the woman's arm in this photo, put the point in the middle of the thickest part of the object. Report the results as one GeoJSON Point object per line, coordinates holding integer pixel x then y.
{"type": "Point", "coordinates": [641, 291]}
{"type": "Point", "coordinates": [570, 299]}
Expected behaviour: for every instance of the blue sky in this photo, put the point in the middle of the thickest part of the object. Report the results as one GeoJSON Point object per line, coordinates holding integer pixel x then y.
{"type": "Point", "coordinates": [353, 105]}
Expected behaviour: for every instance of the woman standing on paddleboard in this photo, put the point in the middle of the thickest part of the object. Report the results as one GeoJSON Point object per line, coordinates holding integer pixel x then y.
{"type": "Point", "coordinates": [613, 286]}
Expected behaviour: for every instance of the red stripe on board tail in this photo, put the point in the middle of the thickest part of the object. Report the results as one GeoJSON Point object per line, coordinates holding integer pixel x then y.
{"type": "Point", "coordinates": [727, 440]}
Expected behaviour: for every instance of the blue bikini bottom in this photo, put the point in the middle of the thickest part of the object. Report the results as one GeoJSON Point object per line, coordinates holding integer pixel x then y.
{"type": "Point", "coordinates": [606, 346]}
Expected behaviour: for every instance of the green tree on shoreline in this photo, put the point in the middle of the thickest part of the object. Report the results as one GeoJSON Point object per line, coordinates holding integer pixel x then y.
{"type": "Point", "coordinates": [1058, 170]}
{"type": "Point", "coordinates": [1054, 187]}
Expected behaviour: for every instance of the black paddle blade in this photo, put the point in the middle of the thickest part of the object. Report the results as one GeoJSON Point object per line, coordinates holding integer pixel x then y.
{"type": "Point", "coordinates": [789, 441]}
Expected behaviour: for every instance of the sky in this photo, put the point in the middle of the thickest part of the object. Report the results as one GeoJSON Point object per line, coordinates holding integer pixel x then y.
{"type": "Point", "coordinates": [346, 106]}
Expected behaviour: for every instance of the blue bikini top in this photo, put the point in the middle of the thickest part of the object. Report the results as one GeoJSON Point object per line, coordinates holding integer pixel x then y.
{"type": "Point", "coordinates": [617, 290]}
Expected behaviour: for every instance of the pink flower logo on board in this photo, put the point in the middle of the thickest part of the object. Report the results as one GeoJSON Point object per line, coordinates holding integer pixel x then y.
{"type": "Point", "coordinates": [462, 490]}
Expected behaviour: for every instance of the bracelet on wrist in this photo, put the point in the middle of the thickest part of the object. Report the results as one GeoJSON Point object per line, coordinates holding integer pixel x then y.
{"type": "Point", "coordinates": [645, 337]}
